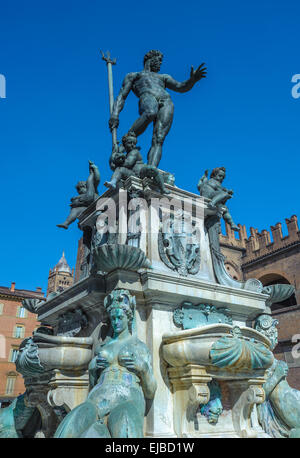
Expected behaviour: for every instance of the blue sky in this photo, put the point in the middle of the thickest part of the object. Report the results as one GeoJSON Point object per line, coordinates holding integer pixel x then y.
{"type": "Point", "coordinates": [54, 118]}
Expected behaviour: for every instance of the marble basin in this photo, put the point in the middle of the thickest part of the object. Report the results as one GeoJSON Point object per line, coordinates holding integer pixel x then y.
{"type": "Point", "coordinates": [224, 350]}
{"type": "Point", "coordinates": [64, 353]}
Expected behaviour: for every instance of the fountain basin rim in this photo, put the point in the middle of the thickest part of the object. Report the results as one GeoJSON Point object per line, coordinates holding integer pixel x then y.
{"type": "Point", "coordinates": [63, 340]}
{"type": "Point", "coordinates": [214, 330]}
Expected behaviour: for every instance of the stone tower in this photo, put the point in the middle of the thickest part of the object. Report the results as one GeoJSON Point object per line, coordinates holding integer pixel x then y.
{"type": "Point", "coordinates": [60, 277]}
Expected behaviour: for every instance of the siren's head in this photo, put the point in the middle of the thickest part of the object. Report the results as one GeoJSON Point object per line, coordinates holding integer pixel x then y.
{"type": "Point", "coordinates": [120, 306]}
{"type": "Point", "coordinates": [119, 320]}
{"type": "Point", "coordinates": [153, 60]}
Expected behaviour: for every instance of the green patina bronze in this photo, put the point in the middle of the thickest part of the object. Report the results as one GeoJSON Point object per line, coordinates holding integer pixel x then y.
{"type": "Point", "coordinates": [239, 353]}
{"type": "Point", "coordinates": [155, 104]}
{"type": "Point", "coordinates": [213, 409]}
{"type": "Point", "coordinates": [108, 257]}
{"type": "Point", "coordinates": [212, 189]}
{"type": "Point", "coordinates": [190, 316]}
{"type": "Point", "coordinates": [279, 415]}
{"type": "Point", "coordinates": [18, 420]}
{"type": "Point", "coordinates": [87, 191]}
{"type": "Point", "coordinates": [126, 160]}
{"type": "Point", "coordinates": [121, 377]}
{"type": "Point", "coordinates": [28, 361]}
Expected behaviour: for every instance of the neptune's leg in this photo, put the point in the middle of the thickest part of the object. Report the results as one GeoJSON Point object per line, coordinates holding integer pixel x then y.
{"type": "Point", "coordinates": [148, 109]}
{"type": "Point", "coordinates": [162, 125]}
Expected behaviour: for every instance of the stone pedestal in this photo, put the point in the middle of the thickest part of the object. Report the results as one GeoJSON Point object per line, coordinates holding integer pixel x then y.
{"type": "Point", "coordinates": [67, 391]}
{"type": "Point", "coordinates": [175, 267]}
{"type": "Point", "coordinates": [245, 396]}
{"type": "Point", "coordinates": [190, 389]}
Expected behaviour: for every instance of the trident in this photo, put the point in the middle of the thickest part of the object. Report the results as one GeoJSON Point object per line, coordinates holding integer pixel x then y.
{"type": "Point", "coordinates": [109, 64]}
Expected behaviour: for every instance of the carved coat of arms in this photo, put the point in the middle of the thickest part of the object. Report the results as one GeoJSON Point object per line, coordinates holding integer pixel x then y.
{"type": "Point", "coordinates": [179, 244]}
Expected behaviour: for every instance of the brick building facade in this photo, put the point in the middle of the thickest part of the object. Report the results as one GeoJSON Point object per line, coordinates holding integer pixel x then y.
{"type": "Point", "coordinates": [16, 323]}
{"type": "Point", "coordinates": [271, 258]}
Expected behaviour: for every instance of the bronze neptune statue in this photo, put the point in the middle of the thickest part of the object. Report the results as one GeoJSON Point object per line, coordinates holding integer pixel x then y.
{"type": "Point", "coordinates": [121, 377]}
{"type": "Point", "coordinates": [155, 104]}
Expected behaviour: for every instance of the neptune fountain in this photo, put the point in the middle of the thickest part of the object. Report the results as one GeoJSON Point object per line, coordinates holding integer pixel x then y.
{"type": "Point", "coordinates": [155, 339]}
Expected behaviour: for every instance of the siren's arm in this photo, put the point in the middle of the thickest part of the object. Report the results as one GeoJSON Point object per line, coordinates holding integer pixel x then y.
{"type": "Point", "coordinates": [148, 381]}
{"type": "Point", "coordinates": [93, 373]}
{"type": "Point", "coordinates": [140, 364]}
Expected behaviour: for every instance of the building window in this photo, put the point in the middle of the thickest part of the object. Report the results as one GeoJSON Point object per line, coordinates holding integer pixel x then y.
{"type": "Point", "coordinates": [13, 355]}
{"type": "Point", "coordinates": [21, 312]}
{"type": "Point", "coordinates": [19, 331]}
{"type": "Point", "coordinates": [10, 384]}
{"type": "Point", "coordinates": [1, 308]}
